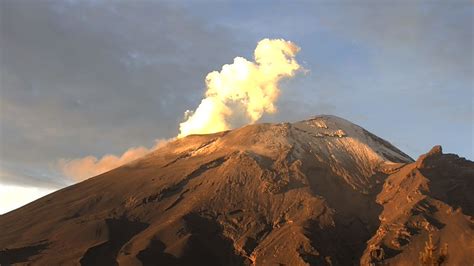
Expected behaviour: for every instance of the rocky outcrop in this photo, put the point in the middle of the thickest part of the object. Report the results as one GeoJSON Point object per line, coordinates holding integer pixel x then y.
{"type": "Point", "coordinates": [430, 198]}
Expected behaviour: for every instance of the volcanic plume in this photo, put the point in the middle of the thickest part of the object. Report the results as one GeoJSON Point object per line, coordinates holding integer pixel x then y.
{"type": "Point", "coordinates": [243, 91]}
{"type": "Point", "coordinates": [239, 94]}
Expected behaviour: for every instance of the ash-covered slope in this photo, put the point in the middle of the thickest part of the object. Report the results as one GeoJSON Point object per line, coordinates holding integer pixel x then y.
{"type": "Point", "coordinates": [293, 194]}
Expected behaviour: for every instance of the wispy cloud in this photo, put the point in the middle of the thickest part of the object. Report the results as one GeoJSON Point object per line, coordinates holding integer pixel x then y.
{"type": "Point", "coordinates": [89, 166]}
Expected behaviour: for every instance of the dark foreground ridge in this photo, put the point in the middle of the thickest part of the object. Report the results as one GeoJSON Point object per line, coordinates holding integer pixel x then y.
{"type": "Point", "coordinates": [317, 192]}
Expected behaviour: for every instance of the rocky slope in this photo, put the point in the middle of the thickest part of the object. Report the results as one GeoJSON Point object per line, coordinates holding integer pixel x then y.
{"type": "Point", "coordinates": [432, 196]}
{"type": "Point", "coordinates": [321, 192]}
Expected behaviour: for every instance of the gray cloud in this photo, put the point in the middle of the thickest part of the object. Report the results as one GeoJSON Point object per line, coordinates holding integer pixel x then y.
{"type": "Point", "coordinates": [87, 77]}
{"type": "Point", "coordinates": [35, 175]}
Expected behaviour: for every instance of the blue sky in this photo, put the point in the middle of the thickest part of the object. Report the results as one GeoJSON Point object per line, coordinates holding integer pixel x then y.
{"type": "Point", "coordinates": [402, 70]}
{"type": "Point", "coordinates": [83, 78]}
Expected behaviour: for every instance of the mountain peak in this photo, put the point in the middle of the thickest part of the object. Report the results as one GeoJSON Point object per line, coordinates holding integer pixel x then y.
{"type": "Point", "coordinates": [310, 192]}
{"type": "Point", "coordinates": [325, 140]}
{"type": "Point", "coordinates": [434, 152]}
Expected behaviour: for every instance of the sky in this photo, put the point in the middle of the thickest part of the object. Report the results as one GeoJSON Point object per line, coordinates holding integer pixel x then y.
{"type": "Point", "coordinates": [85, 79]}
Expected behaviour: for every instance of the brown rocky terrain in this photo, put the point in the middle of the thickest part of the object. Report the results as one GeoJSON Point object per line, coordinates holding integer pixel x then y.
{"type": "Point", "coordinates": [317, 192]}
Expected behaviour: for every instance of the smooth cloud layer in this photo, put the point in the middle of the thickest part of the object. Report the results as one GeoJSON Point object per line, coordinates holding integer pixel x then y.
{"type": "Point", "coordinates": [243, 91]}
{"type": "Point", "coordinates": [83, 168]}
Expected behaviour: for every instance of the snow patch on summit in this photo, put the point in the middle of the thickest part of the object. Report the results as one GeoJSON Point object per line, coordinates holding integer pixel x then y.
{"type": "Point", "coordinates": [350, 138]}
{"type": "Point", "coordinates": [324, 141]}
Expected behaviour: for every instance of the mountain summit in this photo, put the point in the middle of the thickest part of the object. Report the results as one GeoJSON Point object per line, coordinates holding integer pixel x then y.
{"type": "Point", "coordinates": [321, 191]}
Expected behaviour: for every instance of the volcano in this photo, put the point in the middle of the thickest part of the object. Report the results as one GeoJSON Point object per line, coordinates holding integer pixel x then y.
{"type": "Point", "coordinates": [322, 191]}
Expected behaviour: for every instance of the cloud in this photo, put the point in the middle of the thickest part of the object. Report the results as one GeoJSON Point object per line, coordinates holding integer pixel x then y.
{"type": "Point", "coordinates": [243, 91]}
{"type": "Point", "coordinates": [83, 168]}
{"type": "Point", "coordinates": [84, 77]}
{"type": "Point", "coordinates": [35, 176]}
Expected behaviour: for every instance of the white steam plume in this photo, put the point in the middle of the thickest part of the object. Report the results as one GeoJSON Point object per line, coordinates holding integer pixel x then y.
{"type": "Point", "coordinates": [243, 90]}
